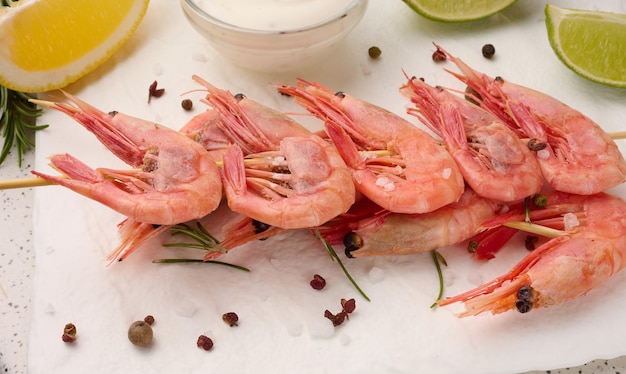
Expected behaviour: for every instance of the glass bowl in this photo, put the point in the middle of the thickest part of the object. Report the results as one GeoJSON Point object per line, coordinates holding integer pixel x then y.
{"type": "Point", "coordinates": [276, 49]}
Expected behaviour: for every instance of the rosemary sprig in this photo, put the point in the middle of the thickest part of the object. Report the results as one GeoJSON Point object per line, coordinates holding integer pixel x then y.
{"type": "Point", "coordinates": [204, 240]}
{"type": "Point", "coordinates": [439, 260]}
{"type": "Point", "coordinates": [17, 117]}
{"type": "Point", "coordinates": [190, 260]}
{"type": "Point", "coordinates": [334, 256]}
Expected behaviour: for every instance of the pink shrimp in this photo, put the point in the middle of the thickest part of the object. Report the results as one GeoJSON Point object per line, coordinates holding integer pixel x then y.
{"type": "Point", "coordinates": [176, 180]}
{"type": "Point", "coordinates": [252, 126]}
{"type": "Point", "coordinates": [416, 175]}
{"type": "Point", "coordinates": [579, 157]}
{"type": "Point", "coordinates": [591, 250]}
{"type": "Point", "coordinates": [304, 184]}
{"type": "Point", "coordinates": [205, 129]}
{"type": "Point", "coordinates": [491, 157]}
{"type": "Point", "coordinates": [386, 233]}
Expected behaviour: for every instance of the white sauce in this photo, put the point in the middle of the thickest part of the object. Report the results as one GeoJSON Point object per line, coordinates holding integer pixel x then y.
{"type": "Point", "coordinates": [273, 15]}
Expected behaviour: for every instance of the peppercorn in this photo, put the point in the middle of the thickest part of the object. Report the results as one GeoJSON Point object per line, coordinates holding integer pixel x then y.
{"type": "Point", "coordinates": [488, 50]}
{"type": "Point", "coordinates": [69, 333]}
{"type": "Point", "coordinates": [318, 282]}
{"type": "Point", "coordinates": [352, 242]}
{"type": "Point", "coordinates": [204, 342]}
{"type": "Point", "coordinates": [153, 91]}
{"type": "Point", "coordinates": [149, 320]}
{"type": "Point", "coordinates": [230, 318]}
{"type": "Point", "coordinates": [348, 305]}
{"type": "Point", "coordinates": [140, 333]}
{"type": "Point", "coordinates": [374, 52]}
{"type": "Point", "coordinates": [187, 104]}
{"type": "Point", "coordinates": [439, 56]}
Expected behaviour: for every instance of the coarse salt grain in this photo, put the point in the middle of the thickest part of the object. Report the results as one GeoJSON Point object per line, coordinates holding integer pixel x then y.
{"type": "Point", "coordinates": [376, 275]}
{"type": "Point", "coordinates": [157, 69]}
{"type": "Point", "coordinates": [446, 173]}
{"type": "Point", "coordinates": [386, 183]}
{"type": "Point", "coordinates": [543, 154]}
{"type": "Point", "coordinates": [570, 221]}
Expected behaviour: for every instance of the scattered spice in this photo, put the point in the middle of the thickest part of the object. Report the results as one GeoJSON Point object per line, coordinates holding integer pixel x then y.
{"type": "Point", "coordinates": [140, 333]}
{"type": "Point", "coordinates": [230, 318]}
{"type": "Point", "coordinates": [347, 307]}
{"type": "Point", "coordinates": [153, 91]}
{"type": "Point", "coordinates": [187, 104]}
{"type": "Point", "coordinates": [204, 342]}
{"type": "Point", "coordinates": [149, 320]}
{"type": "Point", "coordinates": [530, 242]}
{"type": "Point", "coordinates": [374, 52]}
{"type": "Point", "coordinates": [488, 50]}
{"type": "Point", "coordinates": [336, 319]}
{"type": "Point", "coordinates": [439, 55]}
{"type": "Point", "coordinates": [318, 282]}
{"type": "Point", "coordinates": [535, 145]}
{"type": "Point", "coordinates": [69, 333]}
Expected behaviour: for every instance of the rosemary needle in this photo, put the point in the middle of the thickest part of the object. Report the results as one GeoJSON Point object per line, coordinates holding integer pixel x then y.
{"type": "Point", "coordinates": [334, 256]}
{"type": "Point", "coordinates": [189, 260]}
{"type": "Point", "coordinates": [439, 260]}
{"type": "Point", "coordinates": [17, 117]}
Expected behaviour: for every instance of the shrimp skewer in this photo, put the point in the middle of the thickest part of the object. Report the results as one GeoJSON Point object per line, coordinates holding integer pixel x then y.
{"type": "Point", "coordinates": [491, 157]}
{"type": "Point", "coordinates": [175, 180]}
{"type": "Point", "coordinates": [418, 176]}
{"type": "Point", "coordinates": [563, 268]}
{"type": "Point", "coordinates": [304, 184]}
{"type": "Point", "coordinates": [579, 157]}
{"type": "Point", "coordinates": [231, 119]}
{"type": "Point", "coordinates": [386, 233]}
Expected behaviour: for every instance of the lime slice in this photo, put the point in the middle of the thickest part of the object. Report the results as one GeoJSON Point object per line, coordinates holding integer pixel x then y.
{"type": "Point", "coordinates": [592, 44]}
{"type": "Point", "coordinates": [457, 10]}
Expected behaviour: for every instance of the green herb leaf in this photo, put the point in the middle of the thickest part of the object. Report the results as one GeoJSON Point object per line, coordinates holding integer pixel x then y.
{"type": "Point", "coordinates": [190, 260]}
{"type": "Point", "coordinates": [17, 118]}
{"type": "Point", "coordinates": [439, 260]}
{"type": "Point", "coordinates": [204, 240]}
{"type": "Point", "coordinates": [334, 256]}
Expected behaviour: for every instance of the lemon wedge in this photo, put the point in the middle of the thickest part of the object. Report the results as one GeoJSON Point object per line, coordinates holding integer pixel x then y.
{"type": "Point", "coordinates": [592, 44]}
{"type": "Point", "coordinates": [49, 44]}
{"type": "Point", "coordinates": [457, 10]}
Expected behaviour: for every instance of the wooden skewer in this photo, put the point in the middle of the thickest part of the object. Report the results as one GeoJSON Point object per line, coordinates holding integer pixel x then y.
{"type": "Point", "coordinates": [38, 182]}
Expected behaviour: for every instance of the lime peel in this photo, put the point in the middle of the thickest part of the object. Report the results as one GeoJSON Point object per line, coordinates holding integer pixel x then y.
{"type": "Point", "coordinates": [590, 43]}
{"type": "Point", "coordinates": [457, 10]}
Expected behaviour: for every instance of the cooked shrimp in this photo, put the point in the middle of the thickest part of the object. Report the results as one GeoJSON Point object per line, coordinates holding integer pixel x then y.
{"type": "Point", "coordinates": [386, 233]}
{"type": "Point", "coordinates": [304, 184]}
{"type": "Point", "coordinates": [579, 157]}
{"type": "Point", "coordinates": [205, 128]}
{"type": "Point", "coordinates": [175, 180]}
{"type": "Point", "coordinates": [254, 127]}
{"type": "Point", "coordinates": [492, 158]}
{"type": "Point", "coordinates": [566, 267]}
{"type": "Point", "coordinates": [417, 174]}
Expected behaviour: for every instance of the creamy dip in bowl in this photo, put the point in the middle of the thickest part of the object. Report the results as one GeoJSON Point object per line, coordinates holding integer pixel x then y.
{"type": "Point", "coordinates": [274, 35]}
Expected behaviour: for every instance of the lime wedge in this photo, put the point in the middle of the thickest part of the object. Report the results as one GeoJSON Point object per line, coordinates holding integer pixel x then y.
{"type": "Point", "coordinates": [592, 44]}
{"type": "Point", "coordinates": [457, 10]}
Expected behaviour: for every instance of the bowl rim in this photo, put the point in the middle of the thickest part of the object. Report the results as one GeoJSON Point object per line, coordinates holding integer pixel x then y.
{"type": "Point", "coordinates": [352, 5]}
